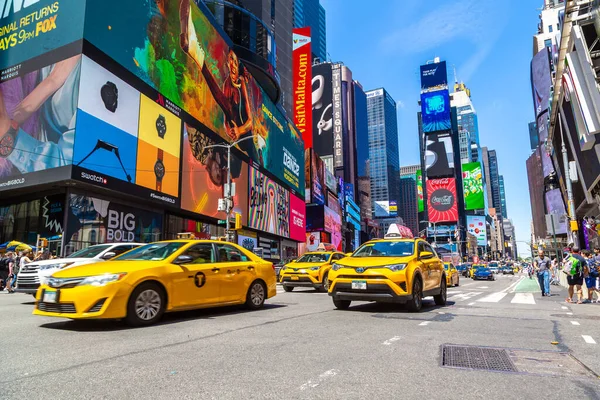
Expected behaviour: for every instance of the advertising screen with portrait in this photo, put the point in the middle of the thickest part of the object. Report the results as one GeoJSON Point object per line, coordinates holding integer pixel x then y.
{"type": "Point", "coordinates": [435, 111]}
{"type": "Point", "coordinates": [174, 48]}
{"type": "Point", "coordinates": [473, 186]}
{"type": "Point", "coordinates": [38, 111]}
{"type": "Point", "coordinates": [204, 175]}
{"type": "Point", "coordinates": [333, 225]}
{"type": "Point", "coordinates": [441, 200]}
{"type": "Point", "coordinates": [269, 205]}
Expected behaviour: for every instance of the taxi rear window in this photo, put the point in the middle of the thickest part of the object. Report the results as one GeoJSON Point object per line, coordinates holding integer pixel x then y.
{"type": "Point", "coordinates": [386, 249]}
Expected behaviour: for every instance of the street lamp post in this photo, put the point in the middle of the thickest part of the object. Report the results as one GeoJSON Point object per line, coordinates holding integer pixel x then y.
{"type": "Point", "coordinates": [228, 195]}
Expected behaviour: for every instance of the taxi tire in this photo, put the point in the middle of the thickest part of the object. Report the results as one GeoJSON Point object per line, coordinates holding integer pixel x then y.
{"type": "Point", "coordinates": [416, 302]}
{"type": "Point", "coordinates": [325, 285]}
{"type": "Point", "coordinates": [288, 288]}
{"type": "Point", "coordinates": [249, 303]}
{"type": "Point", "coordinates": [440, 299]}
{"type": "Point", "coordinates": [341, 304]}
{"type": "Point", "coordinates": [132, 318]}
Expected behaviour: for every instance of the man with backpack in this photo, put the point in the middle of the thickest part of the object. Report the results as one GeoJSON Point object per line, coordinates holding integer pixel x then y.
{"type": "Point", "coordinates": [3, 271]}
{"type": "Point", "coordinates": [574, 268]}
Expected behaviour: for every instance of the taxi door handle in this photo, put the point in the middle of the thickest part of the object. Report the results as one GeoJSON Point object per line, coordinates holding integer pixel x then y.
{"type": "Point", "coordinates": [234, 271]}
{"type": "Point", "coordinates": [215, 269]}
{"type": "Point", "coordinates": [250, 268]}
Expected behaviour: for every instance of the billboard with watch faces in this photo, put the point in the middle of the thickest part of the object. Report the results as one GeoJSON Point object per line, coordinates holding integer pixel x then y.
{"type": "Point", "coordinates": [197, 70]}
{"type": "Point", "coordinates": [31, 28]}
{"type": "Point", "coordinates": [204, 175]}
{"type": "Point", "coordinates": [38, 107]}
{"type": "Point", "coordinates": [435, 111]}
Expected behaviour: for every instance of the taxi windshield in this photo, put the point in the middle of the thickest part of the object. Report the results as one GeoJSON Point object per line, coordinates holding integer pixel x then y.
{"type": "Point", "coordinates": [446, 266]}
{"type": "Point", "coordinates": [385, 249]}
{"type": "Point", "coordinates": [151, 252]}
{"type": "Point", "coordinates": [314, 258]}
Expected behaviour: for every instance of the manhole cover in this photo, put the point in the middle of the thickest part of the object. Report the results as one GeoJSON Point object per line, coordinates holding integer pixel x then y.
{"type": "Point", "coordinates": [521, 361]}
{"type": "Point", "coordinates": [485, 358]}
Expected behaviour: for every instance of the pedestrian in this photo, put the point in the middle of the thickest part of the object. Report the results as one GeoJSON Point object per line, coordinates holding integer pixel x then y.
{"type": "Point", "coordinates": [12, 277]}
{"type": "Point", "coordinates": [554, 272]}
{"type": "Point", "coordinates": [542, 266]}
{"type": "Point", "coordinates": [591, 276]}
{"type": "Point", "coordinates": [3, 271]}
{"type": "Point", "coordinates": [574, 267]}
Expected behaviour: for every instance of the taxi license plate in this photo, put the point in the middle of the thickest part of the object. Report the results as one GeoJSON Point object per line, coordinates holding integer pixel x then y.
{"type": "Point", "coordinates": [295, 278]}
{"type": "Point", "coordinates": [49, 296]}
{"type": "Point", "coordinates": [360, 285]}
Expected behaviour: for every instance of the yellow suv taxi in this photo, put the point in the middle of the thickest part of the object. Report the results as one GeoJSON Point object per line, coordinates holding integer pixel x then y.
{"type": "Point", "coordinates": [310, 270]}
{"type": "Point", "coordinates": [391, 270]}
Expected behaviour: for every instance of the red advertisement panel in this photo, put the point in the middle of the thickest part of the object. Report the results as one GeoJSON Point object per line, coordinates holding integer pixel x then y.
{"type": "Point", "coordinates": [302, 83]}
{"type": "Point", "coordinates": [297, 219]}
{"type": "Point", "coordinates": [442, 205]}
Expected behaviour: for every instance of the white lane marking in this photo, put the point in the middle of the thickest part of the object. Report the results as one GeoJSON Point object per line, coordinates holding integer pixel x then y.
{"type": "Point", "coordinates": [569, 313]}
{"type": "Point", "coordinates": [467, 284]}
{"type": "Point", "coordinates": [483, 287]}
{"type": "Point", "coordinates": [323, 377]}
{"type": "Point", "coordinates": [564, 308]}
{"type": "Point", "coordinates": [441, 312]}
{"type": "Point", "coordinates": [390, 341]}
{"type": "Point", "coordinates": [449, 292]}
{"type": "Point", "coordinates": [464, 296]}
{"type": "Point", "coordinates": [461, 308]}
{"type": "Point", "coordinates": [470, 304]}
{"type": "Point", "coordinates": [493, 298]}
{"type": "Point", "coordinates": [523, 298]}
{"type": "Point", "coordinates": [588, 339]}
{"type": "Point", "coordinates": [424, 323]}
{"type": "Point", "coordinates": [575, 323]}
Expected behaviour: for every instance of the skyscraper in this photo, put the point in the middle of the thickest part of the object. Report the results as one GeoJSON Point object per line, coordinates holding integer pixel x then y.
{"type": "Point", "coordinates": [384, 159]}
{"type": "Point", "coordinates": [494, 181]}
{"type": "Point", "coordinates": [502, 196]}
{"type": "Point", "coordinates": [311, 13]}
{"type": "Point", "coordinates": [408, 208]}
{"type": "Point", "coordinates": [468, 128]}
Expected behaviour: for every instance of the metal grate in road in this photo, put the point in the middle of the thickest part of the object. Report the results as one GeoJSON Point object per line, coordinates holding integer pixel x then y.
{"type": "Point", "coordinates": [481, 358]}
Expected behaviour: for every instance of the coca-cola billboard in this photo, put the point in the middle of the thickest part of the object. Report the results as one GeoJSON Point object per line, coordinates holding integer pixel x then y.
{"type": "Point", "coordinates": [442, 205]}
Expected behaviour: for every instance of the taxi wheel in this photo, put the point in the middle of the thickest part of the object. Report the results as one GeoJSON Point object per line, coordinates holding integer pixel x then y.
{"type": "Point", "coordinates": [440, 299]}
{"type": "Point", "coordinates": [146, 305]}
{"type": "Point", "coordinates": [257, 293]}
{"type": "Point", "coordinates": [288, 288]}
{"type": "Point", "coordinates": [416, 302]}
{"type": "Point", "coordinates": [341, 304]}
{"type": "Point", "coordinates": [325, 285]}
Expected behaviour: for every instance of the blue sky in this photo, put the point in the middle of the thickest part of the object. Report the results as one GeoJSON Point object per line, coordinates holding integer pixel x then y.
{"type": "Point", "coordinates": [490, 43]}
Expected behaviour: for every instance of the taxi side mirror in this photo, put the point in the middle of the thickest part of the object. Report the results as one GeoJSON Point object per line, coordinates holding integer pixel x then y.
{"type": "Point", "coordinates": [108, 255]}
{"type": "Point", "coordinates": [183, 259]}
{"type": "Point", "coordinates": [348, 254]}
{"type": "Point", "coordinates": [425, 255]}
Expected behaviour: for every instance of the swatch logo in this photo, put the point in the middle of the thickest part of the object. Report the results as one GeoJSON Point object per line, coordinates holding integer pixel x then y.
{"type": "Point", "coordinates": [94, 178]}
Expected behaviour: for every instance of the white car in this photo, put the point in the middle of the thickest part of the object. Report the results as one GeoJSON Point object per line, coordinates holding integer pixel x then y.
{"type": "Point", "coordinates": [36, 272]}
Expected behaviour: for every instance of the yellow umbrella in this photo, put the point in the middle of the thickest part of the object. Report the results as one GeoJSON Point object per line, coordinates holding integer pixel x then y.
{"type": "Point", "coordinates": [23, 247]}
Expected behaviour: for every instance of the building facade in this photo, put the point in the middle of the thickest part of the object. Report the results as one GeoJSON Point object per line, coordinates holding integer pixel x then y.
{"type": "Point", "coordinates": [468, 127]}
{"type": "Point", "coordinates": [502, 196]}
{"type": "Point", "coordinates": [408, 207]}
{"type": "Point", "coordinates": [311, 13]}
{"type": "Point", "coordinates": [384, 160]}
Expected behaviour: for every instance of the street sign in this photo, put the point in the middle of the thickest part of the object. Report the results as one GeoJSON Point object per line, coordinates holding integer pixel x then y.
{"type": "Point", "coordinates": [221, 222]}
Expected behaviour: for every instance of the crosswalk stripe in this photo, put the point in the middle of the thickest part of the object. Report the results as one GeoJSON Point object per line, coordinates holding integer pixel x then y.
{"type": "Point", "coordinates": [493, 298]}
{"type": "Point", "coordinates": [464, 296]}
{"type": "Point", "coordinates": [523, 298]}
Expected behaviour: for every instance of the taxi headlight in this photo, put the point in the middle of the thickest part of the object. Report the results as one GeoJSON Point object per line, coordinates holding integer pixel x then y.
{"type": "Point", "coordinates": [336, 267]}
{"type": "Point", "coordinates": [314, 268]}
{"type": "Point", "coordinates": [101, 280]}
{"type": "Point", "coordinates": [396, 267]}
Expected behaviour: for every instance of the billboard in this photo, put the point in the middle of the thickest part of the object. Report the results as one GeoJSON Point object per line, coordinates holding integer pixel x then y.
{"type": "Point", "coordinates": [38, 112]}
{"type": "Point", "coordinates": [333, 225]}
{"type": "Point", "coordinates": [473, 186]}
{"type": "Point", "coordinates": [247, 240]}
{"type": "Point", "coordinates": [439, 155]}
{"type": "Point", "coordinates": [302, 78]}
{"type": "Point", "coordinates": [435, 111]}
{"type": "Point", "coordinates": [556, 206]}
{"type": "Point", "coordinates": [330, 181]}
{"type": "Point", "coordinates": [541, 82]}
{"type": "Point", "coordinates": [434, 76]}
{"type": "Point", "coordinates": [318, 179]}
{"type": "Point", "coordinates": [442, 204]}
{"type": "Point", "coordinates": [31, 28]}
{"type": "Point", "coordinates": [269, 208]}
{"type": "Point", "coordinates": [419, 178]}
{"type": "Point", "coordinates": [315, 218]}
{"type": "Point", "coordinates": [334, 204]}
{"type": "Point", "coordinates": [393, 208]}
{"type": "Point", "coordinates": [200, 74]}
{"type": "Point", "coordinates": [322, 108]}
{"type": "Point", "coordinates": [476, 227]}
{"type": "Point", "coordinates": [382, 209]}
{"type": "Point", "coordinates": [204, 175]}
{"type": "Point", "coordinates": [338, 119]}
{"type": "Point", "coordinates": [297, 218]}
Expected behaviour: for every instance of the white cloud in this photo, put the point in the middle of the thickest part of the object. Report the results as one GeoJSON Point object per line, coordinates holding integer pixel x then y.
{"type": "Point", "coordinates": [400, 104]}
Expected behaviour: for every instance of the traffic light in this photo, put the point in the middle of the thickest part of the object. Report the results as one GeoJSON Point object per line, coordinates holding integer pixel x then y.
{"type": "Point", "coordinates": [238, 221]}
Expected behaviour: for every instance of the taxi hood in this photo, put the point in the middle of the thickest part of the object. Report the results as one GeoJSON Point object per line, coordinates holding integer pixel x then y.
{"type": "Point", "coordinates": [303, 265]}
{"type": "Point", "coordinates": [367, 262]}
{"type": "Point", "coordinates": [106, 267]}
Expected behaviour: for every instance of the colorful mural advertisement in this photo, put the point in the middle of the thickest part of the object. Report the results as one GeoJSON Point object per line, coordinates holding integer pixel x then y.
{"type": "Point", "coordinates": [333, 225]}
{"type": "Point", "coordinates": [204, 175]}
{"type": "Point", "coordinates": [269, 208]}
{"type": "Point", "coordinates": [94, 220]}
{"type": "Point", "coordinates": [31, 28]}
{"type": "Point", "coordinates": [419, 179]}
{"type": "Point", "coordinates": [37, 124]}
{"type": "Point", "coordinates": [442, 205]}
{"type": "Point", "coordinates": [173, 47]}
{"type": "Point", "coordinates": [435, 111]}
{"type": "Point", "coordinates": [318, 179]}
{"type": "Point", "coordinates": [476, 227]}
{"type": "Point", "coordinates": [297, 218]}
{"type": "Point", "coordinates": [473, 186]}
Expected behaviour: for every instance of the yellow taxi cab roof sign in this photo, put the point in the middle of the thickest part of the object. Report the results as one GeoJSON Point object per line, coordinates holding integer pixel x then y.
{"type": "Point", "coordinates": [396, 231]}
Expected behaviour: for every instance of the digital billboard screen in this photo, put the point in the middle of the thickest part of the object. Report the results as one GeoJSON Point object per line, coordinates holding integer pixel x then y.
{"type": "Point", "coordinates": [439, 155]}
{"type": "Point", "coordinates": [541, 81]}
{"type": "Point", "coordinates": [302, 71]}
{"type": "Point", "coordinates": [556, 206]}
{"type": "Point", "coordinates": [473, 186]}
{"type": "Point", "coordinates": [434, 76]}
{"type": "Point", "coordinates": [200, 74]}
{"type": "Point", "coordinates": [317, 174]}
{"type": "Point", "coordinates": [333, 225]}
{"type": "Point", "coordinates": [476, 226]}
{"type": "Point", "coordinates": [419, 178]}
{"type": "Point", "coordinates": [269, 205]}
{"type": "Point", "coordinates": [322, 108]}
{"type": "Point", "coordinates": [441, 200]}
{"type": "Point", "coordinates": [297, 218]}
{"type": "Point", "coordinates": [435, 111]}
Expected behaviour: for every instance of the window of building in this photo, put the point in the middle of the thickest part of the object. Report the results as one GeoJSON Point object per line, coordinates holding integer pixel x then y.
{"type": "Point", "coordinates": [549, 28]}
{"type": "Point", "coordinates": [548, 43]}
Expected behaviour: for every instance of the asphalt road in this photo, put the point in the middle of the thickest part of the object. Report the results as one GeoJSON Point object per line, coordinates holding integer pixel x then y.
{"type": "Point", "coordinates": [300, 347]}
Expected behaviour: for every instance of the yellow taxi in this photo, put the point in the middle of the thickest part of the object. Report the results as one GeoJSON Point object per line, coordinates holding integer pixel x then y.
{"type": "Point", "coordinates": [396, 269]}
{"type": "Point", "coordinates": [160, 277]}
{"type": "Point", "coordinates": [310, 270]}
{"type": "Point", "coordinates": [452, 275]}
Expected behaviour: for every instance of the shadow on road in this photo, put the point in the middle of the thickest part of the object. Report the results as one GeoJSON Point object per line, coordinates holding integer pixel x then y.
{"type": "Point", "coordinates": [167, 319]}
{"type": "Point", "coordinates": [428, 305]}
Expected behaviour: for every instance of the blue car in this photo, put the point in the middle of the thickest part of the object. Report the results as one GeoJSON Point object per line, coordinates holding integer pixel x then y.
{"type": "Point", "coordinates": [484, 273]}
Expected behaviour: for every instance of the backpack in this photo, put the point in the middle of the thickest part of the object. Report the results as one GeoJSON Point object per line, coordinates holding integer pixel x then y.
{"type": "Point", "coordinates": [575, 266]}
{"type": "Point", "coordinates": [4, 264]}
